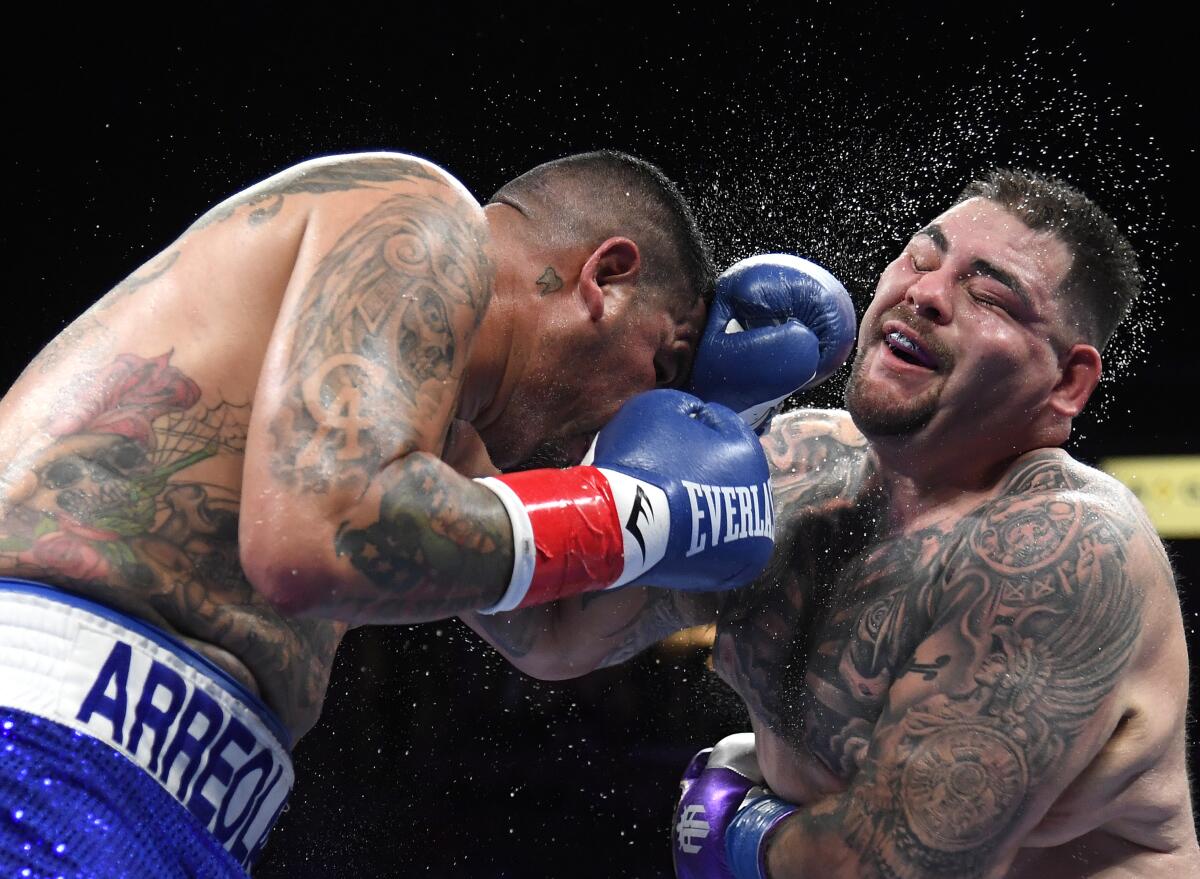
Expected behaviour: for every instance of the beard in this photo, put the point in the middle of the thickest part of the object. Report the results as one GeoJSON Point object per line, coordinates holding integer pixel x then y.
{"type": "Point", "coordinates": [878, 414]}
{"type": "Point", "coordinates": [551, 453]}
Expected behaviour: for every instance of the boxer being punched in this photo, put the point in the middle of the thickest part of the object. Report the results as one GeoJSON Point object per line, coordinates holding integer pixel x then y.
{"type": "Point", "coordinates": [966, 658]}
{"type": "Point", "coordinates": [277, 416]}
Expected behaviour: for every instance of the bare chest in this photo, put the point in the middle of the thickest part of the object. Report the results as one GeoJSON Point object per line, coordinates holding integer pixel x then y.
{"type": "Point", "coordinates": [814, 652]}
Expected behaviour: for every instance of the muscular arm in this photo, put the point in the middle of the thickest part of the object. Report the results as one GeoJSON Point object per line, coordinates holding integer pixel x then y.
{"type": "Point", "coordinates": [573, 636]}
{"type": "Point", "coordinates": [348, 511]}
{"type": "Point", "coordinates": [826, 497]}
{"type": "Point", "coordinates": [813, 463]}
{"type": "Point", "coordinates": [1033, 607]}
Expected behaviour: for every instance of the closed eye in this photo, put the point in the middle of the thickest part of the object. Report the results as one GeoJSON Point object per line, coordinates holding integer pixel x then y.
{"type": "Point", "coordinates": [922, 263]}
{"type": "Point", "coordinates": [985, 292]}
{"type": "Point", "coordinates": [982, 269]}
{"type": "Point", "coordinates": [990, 301]}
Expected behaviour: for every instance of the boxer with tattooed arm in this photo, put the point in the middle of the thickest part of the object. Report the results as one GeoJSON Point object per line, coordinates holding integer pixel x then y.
{"type": "Point", "coordinates": [966, 658]}
{"type": "Point", "coordinates": [275, 415]}
{"type": "Point", "coordinates": [281, 416]}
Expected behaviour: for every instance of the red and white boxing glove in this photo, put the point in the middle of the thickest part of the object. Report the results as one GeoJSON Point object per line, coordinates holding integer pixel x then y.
{"type": "Point", "coordinates": [678, 495]}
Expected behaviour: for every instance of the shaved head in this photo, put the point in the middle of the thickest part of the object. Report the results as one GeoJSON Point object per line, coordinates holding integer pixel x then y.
{"type": "Point", "coordinates": [584, 199]}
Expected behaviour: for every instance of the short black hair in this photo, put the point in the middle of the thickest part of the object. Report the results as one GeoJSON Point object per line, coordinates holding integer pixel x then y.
{"type": "Point", "coordinates": [593, 196]}
{"type": "Point", "coordinates": [1104, 277]}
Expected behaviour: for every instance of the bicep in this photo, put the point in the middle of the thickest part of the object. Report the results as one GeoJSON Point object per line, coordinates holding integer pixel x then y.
{"type": "Point", "coordinates": [356, 395]}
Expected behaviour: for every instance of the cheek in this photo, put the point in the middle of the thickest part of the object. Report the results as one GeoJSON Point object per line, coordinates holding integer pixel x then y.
{"type": "Point", "coordinates": [620, 388]}
{"type": "Point", "coordinates": [1004, 362]}
{"type": "Point", "coordinates": [632, 370]}
{"type": "Point", "coordinates": [893, 281]}
{"type": "Point", "coordinates": [888, 292]}
{"type": "Point", "coordinates": [604, 385]}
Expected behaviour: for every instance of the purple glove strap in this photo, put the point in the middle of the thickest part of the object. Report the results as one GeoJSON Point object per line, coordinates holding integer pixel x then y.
{"type": "Point", "coordinates": [704, 811]}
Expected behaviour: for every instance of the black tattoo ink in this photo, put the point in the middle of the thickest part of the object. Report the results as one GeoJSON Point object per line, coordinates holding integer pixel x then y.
{"type": "Point", "coordinates": [1031, 599]}
{"type": "Point", "coordinates": [549, 282]}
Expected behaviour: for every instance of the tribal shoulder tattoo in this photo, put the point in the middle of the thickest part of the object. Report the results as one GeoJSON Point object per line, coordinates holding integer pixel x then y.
{"type": "Point", "coordinates": [267, 198]}
{"type": "Point", "coordinates": [380, 340]}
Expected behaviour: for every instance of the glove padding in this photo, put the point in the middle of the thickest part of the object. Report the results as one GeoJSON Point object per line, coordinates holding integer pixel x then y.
{"type": "Point", "coordinates": [675, 492]}
{"type": "Point", "coordinates": [778, 324]}
{"type": "Point", "coordinates": [711, 471]}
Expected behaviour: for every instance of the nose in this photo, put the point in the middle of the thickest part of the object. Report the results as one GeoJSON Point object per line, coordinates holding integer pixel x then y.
{"type": "Point", "coordinates": [929, 295]}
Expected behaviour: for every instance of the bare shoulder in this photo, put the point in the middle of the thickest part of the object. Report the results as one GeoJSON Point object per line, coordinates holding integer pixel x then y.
{"type": "Point", "coordinates": [362, 170]}
{"type": "Point", "coordinates": [1052, 476]}
{"type": "Point", "coordinates": [816, 456]}
{"type": "Point", "coordinates": [364, 173]}
{"type": "Point", "coordinates": [1048, 496]}
{"type": "Point", "coordinates": [1054, 469]}
{"type": "Point", "coordinates": [1060, 525]}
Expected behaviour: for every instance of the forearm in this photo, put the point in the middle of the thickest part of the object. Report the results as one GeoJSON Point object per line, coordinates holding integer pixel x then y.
{"type": "Point", "coordinates": [852, 835]}
{"type": "Point", "coordinates": [529, 639]}
{"type": "Point", "coordinates": [810, 843]}
{"type": "Point", "coordinates": [435, 544]}
{"type": "Point", "coordinates": [577, 635]}
{"type": "Point", "coordinates": [422, 543]}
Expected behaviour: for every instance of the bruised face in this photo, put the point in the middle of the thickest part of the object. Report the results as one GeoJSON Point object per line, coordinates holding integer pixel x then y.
{"type": "Point", "coordinates": [584, 372]}
{"type": "Point", "coordinates": [964, 335]}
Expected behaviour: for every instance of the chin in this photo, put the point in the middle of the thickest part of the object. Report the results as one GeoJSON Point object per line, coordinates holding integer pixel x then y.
{"type": "Point", "coordinates": [880, 415]}
{"type": "Point", "coordinates": [509, 448]}
{"type": "Point", "coordinates": [878, 423]}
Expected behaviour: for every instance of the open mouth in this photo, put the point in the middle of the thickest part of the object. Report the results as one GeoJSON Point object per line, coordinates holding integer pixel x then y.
{"type": "Point", "coordinates": [909, 350]}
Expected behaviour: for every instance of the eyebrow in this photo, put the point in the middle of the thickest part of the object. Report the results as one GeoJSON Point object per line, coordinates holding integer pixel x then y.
{"type": "Point", "coordinates": [980, 266]}
{"type": "Point", "coordinates": [985, 268]}
{"type": "Point", "coordinates": [934, 231]}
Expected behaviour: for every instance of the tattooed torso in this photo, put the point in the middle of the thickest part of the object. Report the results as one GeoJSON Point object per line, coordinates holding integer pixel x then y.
{"type": "Point", "coordinates": [941, 672]}
{"type": "Point", "coordinates": [122, 445]}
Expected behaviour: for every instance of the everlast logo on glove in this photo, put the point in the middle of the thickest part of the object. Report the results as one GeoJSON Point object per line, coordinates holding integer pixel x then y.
{"type": "Point", "coordinates": [723, 514]}
{"type": "Point", "coordinates": [641, 507]}
{"type": "Point", "coordinates": [669, 478]}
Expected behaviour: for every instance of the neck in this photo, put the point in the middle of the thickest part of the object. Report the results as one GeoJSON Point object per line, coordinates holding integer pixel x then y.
{"type": "Point", "coordinates": [923, 480]}
{"type": "Point", "coordinates": [497, 355]}
{"type": "Point", "coordinates": [484, 393]}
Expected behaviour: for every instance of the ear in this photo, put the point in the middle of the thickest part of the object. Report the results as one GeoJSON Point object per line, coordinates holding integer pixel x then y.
{"type": "Point", "coordinates": [617, 262]}
{"type": "Point", "coordinates": [1081, 369]}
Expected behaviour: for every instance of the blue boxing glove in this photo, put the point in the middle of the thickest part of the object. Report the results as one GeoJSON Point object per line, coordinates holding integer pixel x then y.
{"type": "Point", "coordinates": [778, 324]}
{"type": "Point", "coordinates": [724, 814]}
{"type": "Point", "coordinates": [675, 492]}
{"type": "Point", "coordinates": [706, 470]}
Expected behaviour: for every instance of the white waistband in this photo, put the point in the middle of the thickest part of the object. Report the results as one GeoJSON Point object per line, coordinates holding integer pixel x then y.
{"type": "Point", "coordinates": [210, 750]}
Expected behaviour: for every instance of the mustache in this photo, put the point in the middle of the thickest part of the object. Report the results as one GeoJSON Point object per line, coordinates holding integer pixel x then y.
{"type": "Point", "coordinates": [922, 326]}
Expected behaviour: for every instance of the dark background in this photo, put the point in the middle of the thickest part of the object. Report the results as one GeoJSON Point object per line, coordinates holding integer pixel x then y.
{"type": "Point", "coordinates": [824, 131]}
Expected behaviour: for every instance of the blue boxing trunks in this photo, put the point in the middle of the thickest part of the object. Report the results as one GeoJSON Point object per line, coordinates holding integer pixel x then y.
{"type": "Point", "coordinates": [124, 753]}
